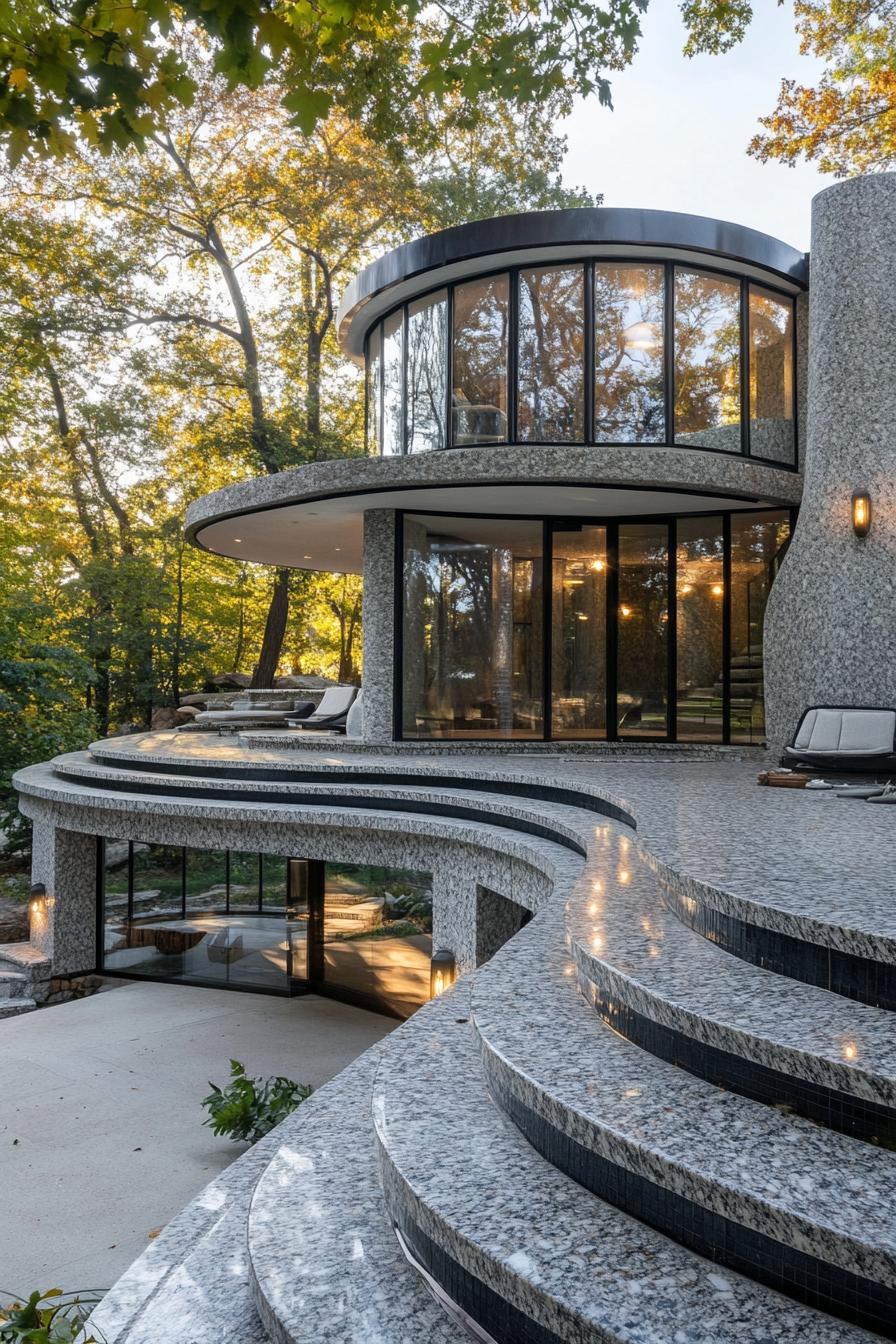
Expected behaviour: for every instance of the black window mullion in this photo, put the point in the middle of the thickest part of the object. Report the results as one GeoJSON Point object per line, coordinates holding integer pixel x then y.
{"type": "Point", "coordinates": [672, 631]}
{"type": "Point", "coordinates": [795, 385]}
{"type": "Point", "coordinates": [513, 314]}
{"type": "Point", "coordinates": [726, 627]}
{"type": "Point", "coordinates": [405, 399]}
{"type": "Point", "coordinates": [547, 584]}
{"type": "Point", "coordinates": [449, 381]}
{"type": "Point", "coordinates": [612, 628]}
{"type": "Point", "coordinates": [744, 367]}
{"type": "Point", "coordinates": [314, 962]}
{"type": "Point", "coordinates": [669, 350]}
{"type": "Point", "coordinates": [589, 345]}
{"type": "Point", "coordinates": [398, 631]}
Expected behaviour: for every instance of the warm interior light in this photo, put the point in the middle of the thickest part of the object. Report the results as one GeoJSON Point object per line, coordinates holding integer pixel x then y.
{"type": "Point", "coordinates": [597, 565]}
{"type": "Point", "coordinates": [625, 611]}
{"type": "Point", "coordinates": [717, 590]}
{"type": "Point", "coordinates": [37, 903]}
{"type": "Point", "coordinates": [641, 336]}
{"type": "Point", "coordinates": [861, 513]}
{"type": "Point", "coordinates": [442, 972]}
{"type": "Point", "coordinates": [687, 588]}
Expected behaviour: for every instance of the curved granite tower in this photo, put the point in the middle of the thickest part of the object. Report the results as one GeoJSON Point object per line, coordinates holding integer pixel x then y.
{"type": "Point", "coordinates": [830, 625]}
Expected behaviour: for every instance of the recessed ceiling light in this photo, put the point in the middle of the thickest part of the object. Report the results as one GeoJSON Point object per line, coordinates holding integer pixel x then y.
{"type": "Point", "coordinates": [238, 540]}
{"type": "Point", "coordinates": [306, 557]}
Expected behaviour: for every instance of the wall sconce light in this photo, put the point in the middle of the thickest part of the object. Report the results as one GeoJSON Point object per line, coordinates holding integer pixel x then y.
{"type": "Point", "coordinates": [37, 900]}
{"type": "Point", "coordinates": [442, 972]}
{"type": "Point", "coordinates": [861, 513]}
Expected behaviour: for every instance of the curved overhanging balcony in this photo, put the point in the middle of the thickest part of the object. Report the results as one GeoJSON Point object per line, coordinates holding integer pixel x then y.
{"type": "Point", "coordinates": [313, 517]}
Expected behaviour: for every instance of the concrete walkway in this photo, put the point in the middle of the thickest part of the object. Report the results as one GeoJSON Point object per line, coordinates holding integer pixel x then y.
{"type": "Point", "coordinates": [101, 1135]}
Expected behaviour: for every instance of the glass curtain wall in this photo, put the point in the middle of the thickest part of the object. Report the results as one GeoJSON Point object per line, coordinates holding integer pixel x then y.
{"type": "Point", "coordinates": [772, 428]}
{"type": "Point", "coordinates": [454, 360]}
{"type": "Point", "coordinates": [377, 934]}
{"type": "Point", "coordinates": [707, 361]}
{"type": "Point", "coordinates": [393, 377]}
{"type": "Point", "coordinates": [758, 544]}
{"type": "Point", "coordinates": [699, 629]}
{"type": "Point", "coordinates": [473, 631]}
{"type": "Point", "coordinates": [642, 700]}
{"type": "Point", "coordinates": [579, 632]}
{"type": "Point", "coordinates": [363, 932]}
{"type": "Point", "coordinates": [479, 366]}
{"type": "Point", "coordinates": [551, 399]}
{"type": "Point", "coordinates": [653, 627]}
{"type": "Point", "coordinates": [629, 398]}
{"type": "Point", "coordinates": [427, 374]}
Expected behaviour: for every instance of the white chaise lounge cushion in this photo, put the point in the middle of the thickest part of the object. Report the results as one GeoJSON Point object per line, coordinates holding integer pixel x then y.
{"type": "Point", "coordinates": [847, 732]}
{"type": "Point", "coordinates": [335, 700]}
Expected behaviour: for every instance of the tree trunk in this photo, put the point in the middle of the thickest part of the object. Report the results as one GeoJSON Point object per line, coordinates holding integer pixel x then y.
{"type": "Point", "coordinates": [274, 631]}
{"type": "Point", "coordinates": [178, 624]}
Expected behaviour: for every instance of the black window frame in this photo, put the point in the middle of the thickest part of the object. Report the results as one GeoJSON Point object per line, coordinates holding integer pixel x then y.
{"type": "Point", "coordinates": [745, 282]}
{"type": "Point", "coordinates": [559, 523]}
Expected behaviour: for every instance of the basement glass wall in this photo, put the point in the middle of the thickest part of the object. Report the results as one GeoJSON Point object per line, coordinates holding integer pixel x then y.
{"type": "Point", "coordinates": [238, 920]}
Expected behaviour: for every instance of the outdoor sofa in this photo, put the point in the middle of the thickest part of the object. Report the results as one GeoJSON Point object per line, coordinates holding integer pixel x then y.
{"type": "Point", "coordinates": [844, 737]}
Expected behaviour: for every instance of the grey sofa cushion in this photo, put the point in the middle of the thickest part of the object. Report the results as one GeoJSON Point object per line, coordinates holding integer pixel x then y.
{"type": "Point", "coordinates": [846, 732]}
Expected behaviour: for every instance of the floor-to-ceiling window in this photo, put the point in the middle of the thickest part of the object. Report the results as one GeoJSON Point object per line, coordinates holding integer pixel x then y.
{"type": "Point", "coordinates": [579, 632]}
{"type": "Point", "coordinates": [642, 640]}
{"type": "Point", "coordinates": [648, 628]}
{"type": "Point", "coordinates": [473, 627]}
{"type": "Point", "coordinates": [700, 629]}
{"type": "Point", "coordinates": [259, 921]}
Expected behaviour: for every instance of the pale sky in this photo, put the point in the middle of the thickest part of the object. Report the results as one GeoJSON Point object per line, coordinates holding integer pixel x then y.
{"type": "Point", "coordinates": [677, 137]}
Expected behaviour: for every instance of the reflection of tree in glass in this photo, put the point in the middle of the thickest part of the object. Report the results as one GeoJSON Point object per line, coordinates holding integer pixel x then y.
{"type": "Point", "coordinates": [479, 392]}
{"type": "Point", "coordinates": [551, 354]}
{"type": "Point", "coordinates": [427, 372]}
{"type": "Point", "coordinates": [707, 352]}
{"type": "Point", "coordinates": [628, 353]}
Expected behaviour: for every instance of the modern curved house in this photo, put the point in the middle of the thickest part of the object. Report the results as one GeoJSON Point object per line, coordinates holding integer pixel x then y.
{"type": "Point", "coordinates": [610, 553]}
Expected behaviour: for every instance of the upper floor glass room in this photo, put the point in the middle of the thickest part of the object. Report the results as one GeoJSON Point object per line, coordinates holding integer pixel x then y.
{"type": "Point", "coordinates": [642, 328]}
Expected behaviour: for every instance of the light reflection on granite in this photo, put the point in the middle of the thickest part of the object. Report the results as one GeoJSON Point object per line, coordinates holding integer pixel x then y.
{"type": "Point", "coordinates": [456, 1167]}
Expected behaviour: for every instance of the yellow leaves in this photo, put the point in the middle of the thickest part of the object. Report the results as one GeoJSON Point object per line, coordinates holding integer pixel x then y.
{"type": "Point", "coordinates": [18, 79]}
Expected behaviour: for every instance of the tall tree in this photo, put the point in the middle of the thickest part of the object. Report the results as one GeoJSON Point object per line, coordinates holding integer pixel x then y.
{"type": "Point", "coordinates": [846, 123]}
{"type": "Point", "coordinates": [111, 74]}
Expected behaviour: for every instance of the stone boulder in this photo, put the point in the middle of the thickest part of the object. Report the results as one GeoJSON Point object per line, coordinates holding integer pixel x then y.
{"type": "Point", "coordinates": [165, 717]}
{"type": "Point", "coordinates": [198, 700]}
{"type": "Point", "coordinates": [186, 713]}
{"type": "Point", "coordinates": [303, 683]}
{"type": "Point", "coordinates": [232, 681]}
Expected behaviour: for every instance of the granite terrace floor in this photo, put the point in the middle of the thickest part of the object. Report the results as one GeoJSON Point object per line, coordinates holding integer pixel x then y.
{"type": "Point", "coordinates": [101, 1135]}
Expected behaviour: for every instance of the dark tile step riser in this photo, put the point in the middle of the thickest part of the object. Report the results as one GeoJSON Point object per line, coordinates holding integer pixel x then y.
{"type": "Point", "coordinates": [719, 1239]}
{"type": "Point", "coordinates": [853, 977]}
{"type": "Point", "coordinates": [848, 1114]}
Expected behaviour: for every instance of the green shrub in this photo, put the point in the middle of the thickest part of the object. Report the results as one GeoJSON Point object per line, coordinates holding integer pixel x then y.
{"type": "Point", "coordinates": [248, 1108]}
{"type": "Point", "coordinates": [53, 1317]}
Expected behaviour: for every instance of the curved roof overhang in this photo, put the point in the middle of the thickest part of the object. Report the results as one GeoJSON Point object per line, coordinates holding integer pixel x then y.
{"type": "Point", "coordinates": [313, 517]}
{"type": "Point", "coordinates": [552, 235]}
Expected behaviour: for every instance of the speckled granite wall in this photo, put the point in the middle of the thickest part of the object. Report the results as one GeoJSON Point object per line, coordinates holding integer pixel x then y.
{"type": "Point", "coordinates": [830, 627]}
{"type": "Point", "coordinates": [65, 861]}
{"type": "Point", "coordinates": [379, 607]}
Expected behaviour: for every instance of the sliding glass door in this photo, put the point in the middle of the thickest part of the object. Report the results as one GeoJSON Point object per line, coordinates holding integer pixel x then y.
{"type": "Point", "coordinates": [579, 632]}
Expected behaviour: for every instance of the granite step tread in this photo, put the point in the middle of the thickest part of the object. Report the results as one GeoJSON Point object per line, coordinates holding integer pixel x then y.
{"type": "Point", "coordinates": [458, 1171]}
{"type": "Point", "coordinates": [633, 948]}
{"type": "Point", "coordinates": [191, 1285]}
{"type": "Point", "coordinates": [325, 1262]}
{"type": "Point", "coordinates": [810, 1188]}
{"type": "Point", "coordinates": [15, 1004]}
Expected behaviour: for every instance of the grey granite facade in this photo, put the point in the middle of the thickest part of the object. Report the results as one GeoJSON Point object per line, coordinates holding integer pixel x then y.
{"type": "Point", "coordinates": [379, 624]}
{"type": "Point", "coordinates": [831, 618]}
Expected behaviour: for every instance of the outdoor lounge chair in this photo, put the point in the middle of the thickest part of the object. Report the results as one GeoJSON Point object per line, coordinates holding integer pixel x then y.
{"type": "Point", "coordinates": [844, 737]}
{"type": "Point", "coordinates": [243, 714]}
{"type": "Point", "coordinates": [331, 713]}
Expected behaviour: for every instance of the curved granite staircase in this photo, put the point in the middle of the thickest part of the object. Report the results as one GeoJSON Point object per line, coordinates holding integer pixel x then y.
{"type": "Point", "coordinates": [615, 1131]}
